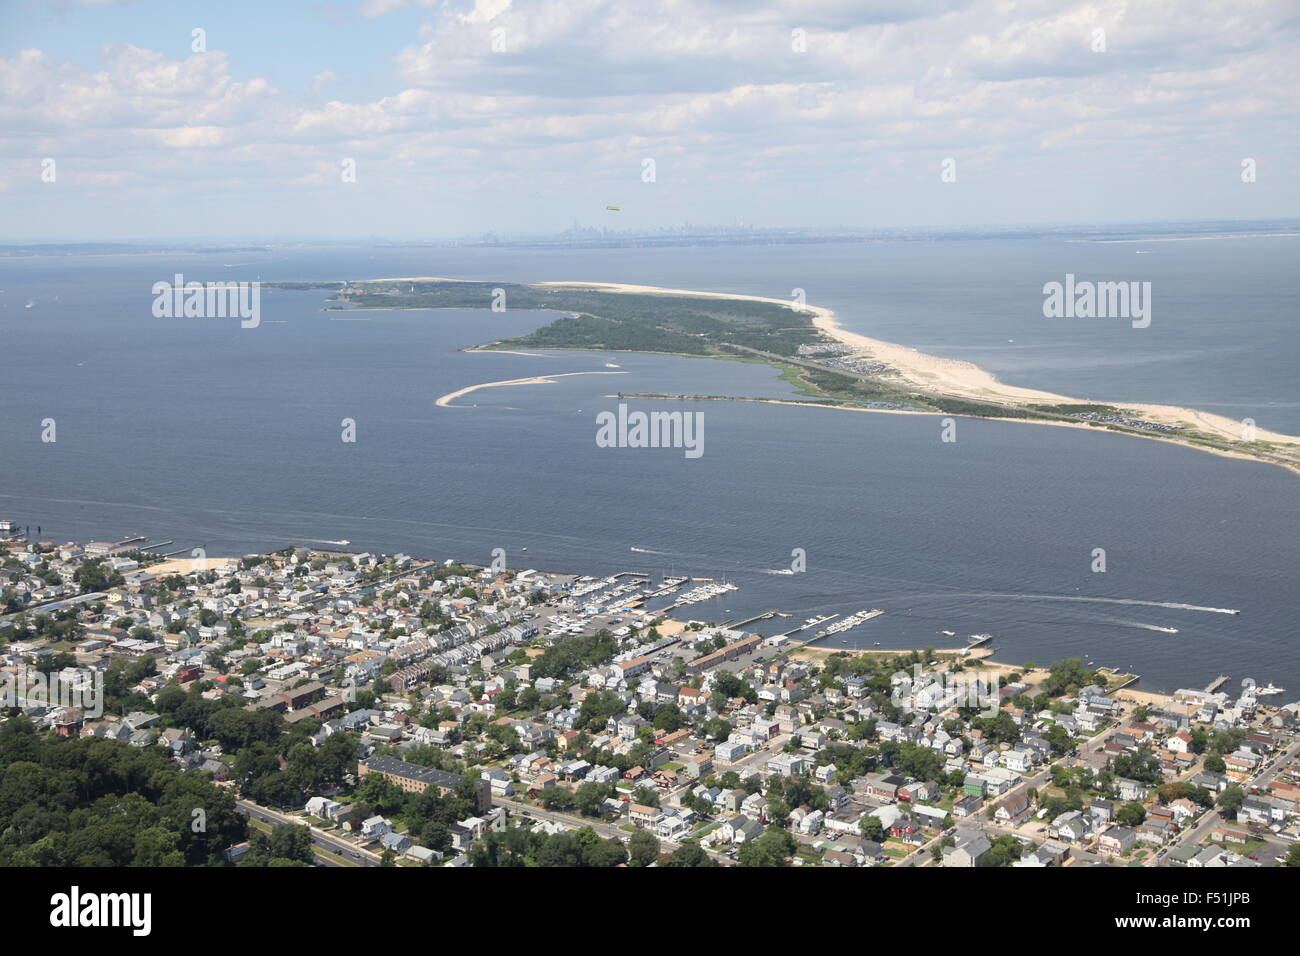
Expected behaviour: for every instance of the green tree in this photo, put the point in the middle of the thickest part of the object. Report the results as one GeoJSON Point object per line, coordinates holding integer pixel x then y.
{"type": "Point", "coordinates": [1231, 799]}
{"type": "Point", "coordinates": [643, 848]}
{"type": "Point", "coordinates": [1131, 814]}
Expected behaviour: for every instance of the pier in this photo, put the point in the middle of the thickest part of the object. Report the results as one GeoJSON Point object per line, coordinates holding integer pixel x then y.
{"type": "Point", "coordinates": [171, 554]}
{"type": "Point", "coordinates": [757, 617]}
{"type": "Point", "coordinates": [1215, 684]}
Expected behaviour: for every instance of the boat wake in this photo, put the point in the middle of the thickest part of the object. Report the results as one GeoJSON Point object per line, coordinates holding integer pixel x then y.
{"type": "Point", "coordinates": [1172, 605]}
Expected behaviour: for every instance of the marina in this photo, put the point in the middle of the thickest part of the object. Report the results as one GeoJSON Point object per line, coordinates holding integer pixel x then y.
{"type": "Point", "coordinates": [852, 621]}
{"type": "Point", "coordinates": [704, 592]}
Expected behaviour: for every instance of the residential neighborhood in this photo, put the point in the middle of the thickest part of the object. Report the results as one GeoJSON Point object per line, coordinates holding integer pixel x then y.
{"type": "Point", "coordinates": [407, 712]}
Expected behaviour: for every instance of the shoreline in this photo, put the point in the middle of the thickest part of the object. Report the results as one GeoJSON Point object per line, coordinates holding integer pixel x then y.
{"type": "Point", "coordinates": [1084, 426]}
{"type": "Point", "coordinates": [446, 400]}
{"type": "Point", "coordinates": [958, 378]}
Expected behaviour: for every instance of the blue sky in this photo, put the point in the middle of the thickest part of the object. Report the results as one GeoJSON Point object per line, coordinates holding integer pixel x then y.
{"type": "Point", "coordinates": [462, 117]}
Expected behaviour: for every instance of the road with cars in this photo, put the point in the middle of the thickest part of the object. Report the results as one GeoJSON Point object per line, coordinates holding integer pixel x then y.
{"type": "Point", "coordinates": [321, 840]}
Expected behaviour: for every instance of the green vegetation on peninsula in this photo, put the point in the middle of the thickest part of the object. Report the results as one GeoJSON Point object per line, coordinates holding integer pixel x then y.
{"type": "Point", "coordinates": [703, 325]}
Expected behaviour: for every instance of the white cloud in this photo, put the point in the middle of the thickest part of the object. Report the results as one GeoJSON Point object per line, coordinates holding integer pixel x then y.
{"type": "Point", "coordinates": [714, 90]}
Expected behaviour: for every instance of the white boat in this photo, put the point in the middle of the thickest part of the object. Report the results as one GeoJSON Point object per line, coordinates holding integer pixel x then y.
{"type": "Point", "coordinates": [853, 620]}
{"type": "Point", "coordinates": [1269, 691]}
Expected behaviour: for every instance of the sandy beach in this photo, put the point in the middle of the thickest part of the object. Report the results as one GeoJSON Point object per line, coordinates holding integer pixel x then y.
{"type": "Point", "coordinates": [446, 400]}
{"type": "Point", "coordinates": [188, 565]}
{"type": "Point", "coordinates": [952, 377]}
{"type": "Point", "coordinates": [956, 377]}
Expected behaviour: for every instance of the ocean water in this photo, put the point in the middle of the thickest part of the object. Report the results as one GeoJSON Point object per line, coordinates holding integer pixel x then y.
{"type": "Point", "coordinates": [227, 438]}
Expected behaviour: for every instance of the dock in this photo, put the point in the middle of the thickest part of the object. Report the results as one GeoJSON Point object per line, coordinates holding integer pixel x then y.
{"type": "Point", "coordinates": [1132, 679]}
{"type": "Point", "coordinates": [766, 615]}
{"type": "Point", "coordinates": [1215, 684]}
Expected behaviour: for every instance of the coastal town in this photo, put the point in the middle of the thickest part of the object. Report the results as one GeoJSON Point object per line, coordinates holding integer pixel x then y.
{"type": "Point", "coordinates": [364, 709]}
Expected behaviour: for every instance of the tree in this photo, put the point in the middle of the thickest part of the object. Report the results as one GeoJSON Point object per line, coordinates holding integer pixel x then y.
{"type": "Point", "coordinates": [556, 798]}
{"type": "Point", "coordinates": [643, 848]}
{"type": "Point", "coordinates": [1231, 799]}
{"type": "Point", "coordinates": [773, 848]}
{"type": "Point", "coordinates": [690, 853]}
{"type": "Point", "coordinates": [589, 797]}
{"type": "Point", "coordinates": [1131, 814]}
{"type": "Point", "coordinates": [288, 843]}
{"type": "Point", "coordinates": [1293, 855]}
{"type": "Point", "coordinates": [1214, 763]}
{"type": "Point", "coordinates": [872, 828]}
{"type": "Point", "coordinates": [1067, 676]}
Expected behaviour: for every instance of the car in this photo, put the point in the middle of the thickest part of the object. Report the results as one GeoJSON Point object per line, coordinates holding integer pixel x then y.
{"type": "Point", "coordinates": [1253, 856]}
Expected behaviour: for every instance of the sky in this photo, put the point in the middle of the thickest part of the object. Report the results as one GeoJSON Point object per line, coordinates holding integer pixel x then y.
{"type": "Point", "coordinates": [413, 119]}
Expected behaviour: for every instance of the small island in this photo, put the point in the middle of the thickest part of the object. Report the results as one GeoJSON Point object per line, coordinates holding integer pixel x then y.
{"type": "Point", "coordinates": [829, 365]}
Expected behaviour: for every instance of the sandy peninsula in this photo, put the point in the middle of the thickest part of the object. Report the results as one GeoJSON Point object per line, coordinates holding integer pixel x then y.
{"type": "Point", "coordinates": [953, 378]}
{"type": "Point", "coordinates": [958, 378]}
{"type": "Point", "coordinates": [446, 400]}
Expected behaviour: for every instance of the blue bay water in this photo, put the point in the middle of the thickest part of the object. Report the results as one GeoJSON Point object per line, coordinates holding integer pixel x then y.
{"type": "Point", "coordinates": [198, 431]}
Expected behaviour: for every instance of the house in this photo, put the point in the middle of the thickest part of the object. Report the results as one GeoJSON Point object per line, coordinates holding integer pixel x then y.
{"type": "Point", "coordinates": [237, 852]}
{"type": "Point", "coordinates": [642, 815]}
{"type": "Point", "coordinates": [1070, 827]}
{"type": "Point", "coordinates": [920, 790]}
{"type": "Point", "coordinates": [1102, 809]}
{"type": "Point", "coordinates": [730, 751]}
{"type": "Point", "coordinates": [1020, 760]}
{"type": "Point", "coordinates": [1013, 807]}
{"type": "Point", "coordinates": [883, 786]}
{"type": "Point", "coordinates": [1130, 790]}
{"type": "Point", "coordinates": [788, 765]}
{"type": "Point", "coordinates": [812, 822]}
{"type": "Point", "coordinates": [1183, 810]}
{"type": "Point", "coordinates": [1156, 831]}
{"type": "Point", "coordinates": [1117, 840]}
{"type": "Point", "coordinates": [739, 829]}
{"type": "Point", "coordinates": [422, 854]}
{"type": "Point", "coordinates": [323, 808]}
{"type": "Point", "coordinates": [971, 847]}
{"type": "Point", "coordinates": [397, 842]}
{"type": "Point", "coordinates": [1183, 855]}
{"type": "Point", "coordinates": [374, 828]}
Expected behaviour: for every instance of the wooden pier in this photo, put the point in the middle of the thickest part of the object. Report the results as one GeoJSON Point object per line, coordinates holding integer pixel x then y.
{"type": "Point", "coordinates": [757, 617]}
